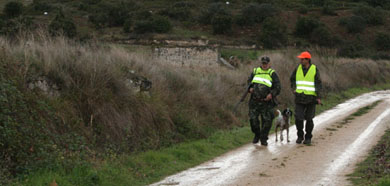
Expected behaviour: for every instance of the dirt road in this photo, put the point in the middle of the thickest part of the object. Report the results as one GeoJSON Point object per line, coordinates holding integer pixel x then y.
{"type": "Point", "coordinates": [336, 148]}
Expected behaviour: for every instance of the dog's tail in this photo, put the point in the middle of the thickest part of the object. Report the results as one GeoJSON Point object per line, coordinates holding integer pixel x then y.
{"type": "Point", "coordinates": [278, 112]}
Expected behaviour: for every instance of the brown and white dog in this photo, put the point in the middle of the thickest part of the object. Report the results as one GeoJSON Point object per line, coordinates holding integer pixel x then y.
{"type": "Point", "coordinates": [282, 122]}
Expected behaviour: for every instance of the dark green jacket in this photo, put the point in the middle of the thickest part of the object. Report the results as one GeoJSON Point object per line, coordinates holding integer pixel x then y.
{"type": "Point", "coordinates": [274, 90]}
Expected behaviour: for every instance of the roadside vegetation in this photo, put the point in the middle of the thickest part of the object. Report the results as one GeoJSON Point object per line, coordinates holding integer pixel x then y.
{"type": "Point", "coordinates": [97, 130]}
{"type": "Point", "coordinates": [356, 28]}
{"type": "Point", "coordinates": [374, 170]}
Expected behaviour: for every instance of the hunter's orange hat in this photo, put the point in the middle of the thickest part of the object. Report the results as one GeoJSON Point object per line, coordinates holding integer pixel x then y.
{"type": "Point", "coordinates": [304, 55]}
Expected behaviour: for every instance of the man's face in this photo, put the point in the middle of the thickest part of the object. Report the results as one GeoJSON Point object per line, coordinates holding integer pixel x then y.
{"type": "Point", "coordinates": [304, 61]}
{"type": "Point", "coordinates": [265, 66]}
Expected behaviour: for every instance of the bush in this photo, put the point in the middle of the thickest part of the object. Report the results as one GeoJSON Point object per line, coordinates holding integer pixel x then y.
{"type": "Point", "coordinates": [213, 9]}
{"type": "Point", "coordinates": [323, 37]}
{"type": "Point", "coordinates": [354, 49]}
{"type": "Point", "coordinates": [11, 27]}
{"type": "Point", "coordinates": [161, 24]}
{"type": "Point", "coordinates": [379, 3]}
{"type": "Point", "coordinates": [156, 24]}
{"type": "Point", "coordinates": [221, 24]}
{"type": "Point", "coordinates": [273, 34]}
{"type": "Point", "coordinates": [372, 16]}
{"type": "Point", "coordinates": [127, 25]}
{"type": "Point", "coordinates": [179, 11]}
{"type": "Point", "coordinates": [41, 6]}
{"type": "Point", "coordinates": [13, 9]}
{"type": "Point", "coordinates": [354, 24]}
{"type": "Point", "coordinates": [303, 9]}
{"type": "Point", "coordinates": [328, 9]}
{"type": "Point", "coordinates": [111, 14]}
{"type": "Point", "coordinates": [305, 26]}
{"type": "Point", "coordinates": [256, 13]}
{"type": "Point", "coordinates": [62, 25]}
{"type": "Point", "coordinates": [315, 2]}
{"type": "Point", "coordinates": [382, 41]}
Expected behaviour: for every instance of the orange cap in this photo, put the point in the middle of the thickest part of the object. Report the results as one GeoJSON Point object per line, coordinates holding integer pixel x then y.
{"type": "Point", "coordinates": [304, 55]}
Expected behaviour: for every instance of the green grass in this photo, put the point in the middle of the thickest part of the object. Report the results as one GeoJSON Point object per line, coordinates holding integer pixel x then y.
{"type": "Point", "coordinates": [151, 166]}
{"type": "Point", "coordinates": [374, 170]}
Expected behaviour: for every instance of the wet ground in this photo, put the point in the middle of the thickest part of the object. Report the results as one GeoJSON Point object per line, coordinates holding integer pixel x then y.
{"type": "Point", "coordinates": [336, 148]}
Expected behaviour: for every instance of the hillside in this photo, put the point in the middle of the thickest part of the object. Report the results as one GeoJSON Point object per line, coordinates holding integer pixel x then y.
{"type": "Point", "coordinates": [356, 28]}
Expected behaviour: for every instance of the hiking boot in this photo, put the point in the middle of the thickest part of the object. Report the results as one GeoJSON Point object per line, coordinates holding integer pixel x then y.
{"type": "Point", "coordinates": [256, 139]}
{"type": "Point", "coordinates": [299, 140]}
{"type": "Point", "coordinates": [307, 142]}
{"type": "Point", "coordinates": [264, 142]}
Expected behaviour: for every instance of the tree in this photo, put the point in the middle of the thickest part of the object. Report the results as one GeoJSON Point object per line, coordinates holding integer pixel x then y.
{"type": "Point", "coordinates": [61, 24]}
{"type": "Point", "coordinates": [13, 9]}
{"type": "Point", "coordinates": [273, 34]}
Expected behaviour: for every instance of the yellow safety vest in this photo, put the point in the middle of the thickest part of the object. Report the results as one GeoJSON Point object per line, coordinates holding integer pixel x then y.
{"type": "Point", "coordinates": [306, 83]}
{"type": "Point", "coordinates": [263, 76]}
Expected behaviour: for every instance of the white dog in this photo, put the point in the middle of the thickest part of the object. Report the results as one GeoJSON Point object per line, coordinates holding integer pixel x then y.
{"type": "Point", "coordinates": [283, 121]}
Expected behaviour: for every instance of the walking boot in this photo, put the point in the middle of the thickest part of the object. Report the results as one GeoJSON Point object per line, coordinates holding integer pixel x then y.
{"type": "Point", "coordinates": [307, 142]}
{"type": "Point", "coordinates": [256, 139]}
{"type": "Point", "coordinates": [264, 142]}
{"type": "Point", "coordinates": [299, 140]}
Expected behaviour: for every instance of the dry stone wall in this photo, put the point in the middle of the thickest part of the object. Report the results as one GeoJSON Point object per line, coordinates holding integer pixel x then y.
{"type": "Point", "coordinates": [187, 56]}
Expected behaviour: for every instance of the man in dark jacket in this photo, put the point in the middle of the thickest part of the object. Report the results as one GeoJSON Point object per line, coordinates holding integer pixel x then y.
{"type": "Point", "coordinates": [265, 86]}
{"type": "Point", "coordinates": [306, 85]}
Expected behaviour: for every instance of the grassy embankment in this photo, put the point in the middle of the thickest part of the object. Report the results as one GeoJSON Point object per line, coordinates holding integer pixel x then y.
{"type": "Point", "coordinates": [148, 167]}
{"type": "Point", "coordinates": [374, 170]}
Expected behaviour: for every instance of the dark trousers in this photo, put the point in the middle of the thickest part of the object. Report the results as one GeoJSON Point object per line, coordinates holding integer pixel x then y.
{"type": "Point", "coordinates": [304, 112]}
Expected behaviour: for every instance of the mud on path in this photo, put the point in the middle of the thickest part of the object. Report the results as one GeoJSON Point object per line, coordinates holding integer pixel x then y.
{"type": "Point", "coordinates": [336, 148]}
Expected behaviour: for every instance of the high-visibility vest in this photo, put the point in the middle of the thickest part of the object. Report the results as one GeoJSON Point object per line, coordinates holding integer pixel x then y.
{"type": "Point", "coordinates": [263, 76]}
{"type": "Point", "coordinates": [306, 83]}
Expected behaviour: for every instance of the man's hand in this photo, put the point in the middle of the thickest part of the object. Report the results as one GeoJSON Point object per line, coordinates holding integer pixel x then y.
{"type": "Point", "coordinates": [251, 90]}
{"type": "Point", "coordinates": [269, 97]}
{"type": "Point", "coordinates": [319, 101]}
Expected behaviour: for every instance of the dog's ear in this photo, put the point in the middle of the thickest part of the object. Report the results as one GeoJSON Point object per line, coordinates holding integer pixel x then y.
{"type": "Point", "coordinates": [284, 112]}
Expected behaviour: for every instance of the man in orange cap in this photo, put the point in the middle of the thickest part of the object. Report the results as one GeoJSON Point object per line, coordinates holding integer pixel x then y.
{"type": "Point", "coordinates": [306, 85]}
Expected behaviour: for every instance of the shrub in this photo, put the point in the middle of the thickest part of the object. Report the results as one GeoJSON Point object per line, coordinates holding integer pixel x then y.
{"type": "Point", "coordinates": [111, 14]}
{"type": "Point", "coordinates": [41, 6]}
{"type": "Point", "coordinates": [161, 24]}
{"type": "Point", "coordinates": [315, 2]}
{"type": "Point", "coordinates": [352, 50]}
{"type": "Point", "coordinates": [62, 25]}
{"type": "Point", "coordinates": [13, 9]}
{"type": "Point", "coordinates": [157, 24]}
{"type": "Point", "coordinates": [382, 41]}
{"type": "Point", "coordinates": [323, 37]}
{"type": "Point", "coordinates": [179, 11]}
{"type": "Point", "coordinates": [354, 24]}
{"type": "Point", "coordinates": [273, 33]}
{"type": "Point", "coordinates": [221, 24]}
{"type": "Point", "coordinates": [305, 26]}
{"type": "Point", "coordinates": [303, 9]}
{"type": "Point", "coordinates": [127, 25]}
{"type": "Point", "coordinates": [372, 16]}
{"type": "Point", "coordinates": [256, 13]}
{"type": "Point", "coordinates": [328, 9]}
{"type": "Point", "coordinates": [213, 9]}
{"type": "Point", "coordinates": [380, 3]}
{"type": "Point", "coordinates": [11, 27]}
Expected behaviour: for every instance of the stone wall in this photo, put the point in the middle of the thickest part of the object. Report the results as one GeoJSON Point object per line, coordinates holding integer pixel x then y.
{"type": "Point", "coordinates": [187, 56]}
